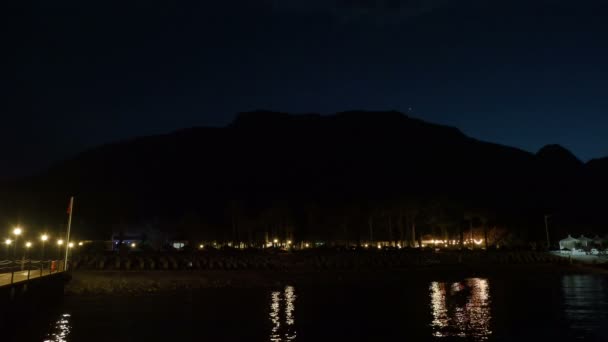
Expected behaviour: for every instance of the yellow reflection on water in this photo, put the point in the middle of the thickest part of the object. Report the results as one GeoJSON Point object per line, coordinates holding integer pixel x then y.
{"type": "Point", "coordinates": [461, 309]}
{"type": "Point", "coordinates": [61, 330]}
{"type": "Point", "coordinates": [283, 326]}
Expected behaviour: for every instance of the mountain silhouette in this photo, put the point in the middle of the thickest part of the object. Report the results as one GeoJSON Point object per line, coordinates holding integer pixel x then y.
{"type": "Point", "coordinates": [359, 162]}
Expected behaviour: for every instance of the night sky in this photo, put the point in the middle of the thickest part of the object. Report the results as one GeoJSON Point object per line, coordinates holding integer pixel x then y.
{"type": "Point", "coordinates": [521, 73]}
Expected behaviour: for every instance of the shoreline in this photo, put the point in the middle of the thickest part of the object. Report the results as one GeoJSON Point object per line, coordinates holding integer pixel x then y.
{"type": "Point", "coordinates": [92, 283]}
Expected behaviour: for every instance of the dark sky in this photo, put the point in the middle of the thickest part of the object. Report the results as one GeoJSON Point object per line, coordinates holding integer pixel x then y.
{"type": "Point", "coordinates": [522, 73]}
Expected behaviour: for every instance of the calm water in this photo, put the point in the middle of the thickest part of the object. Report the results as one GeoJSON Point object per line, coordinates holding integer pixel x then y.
{"type": "Point", "coordinates": [549, 307]}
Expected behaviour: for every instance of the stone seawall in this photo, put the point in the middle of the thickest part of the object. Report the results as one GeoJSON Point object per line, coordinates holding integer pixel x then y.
{"type": "Point", "coordinates": [305, 261]}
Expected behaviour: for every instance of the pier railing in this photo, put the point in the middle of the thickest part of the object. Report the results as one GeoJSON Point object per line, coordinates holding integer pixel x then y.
{"type": "Point", "coordinates": [13, 271]}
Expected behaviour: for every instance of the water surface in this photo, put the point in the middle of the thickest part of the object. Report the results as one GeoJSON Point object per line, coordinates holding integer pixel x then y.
{"type": "Point", "coordinates": [537, 308]}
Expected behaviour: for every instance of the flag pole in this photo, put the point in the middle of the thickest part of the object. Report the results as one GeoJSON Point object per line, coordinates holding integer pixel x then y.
{"type": "Point", "coordinates": [67, 244]}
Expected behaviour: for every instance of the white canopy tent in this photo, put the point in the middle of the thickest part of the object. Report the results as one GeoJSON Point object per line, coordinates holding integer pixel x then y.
{"type": "Point", "coordinates": [568, 243]}
{"type": "Point", "coordinates": [585, 241]}
{"type": "Point", "coordinates": [598, 241]}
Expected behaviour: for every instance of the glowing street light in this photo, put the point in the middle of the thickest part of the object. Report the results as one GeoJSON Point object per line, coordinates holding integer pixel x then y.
{"type": "Point", "coordinates": [80, 243]}
{"type": "Point", "coordinates": [201, 246]}
{"type": "Point", "coordinates": [44, 238]}
{"type": "Point", "coordinates": [28, 244]}
{"type": "Point", "coordinates": [17, 231]}
{"type": "Point", "coordinates": [306, 245]}
{"type": "Point", "coordinates": [59, 242]}
{"type": "Point", "coordinates": [289, 242]}
{"type": "Point", "coordinates": [133, 245]}
{"type": "Point", "coordinates": [7, 242]}
{"type": "Point", "coordinates": [71, 244]}
{"type": "Point", "coordinates": [275, 240]}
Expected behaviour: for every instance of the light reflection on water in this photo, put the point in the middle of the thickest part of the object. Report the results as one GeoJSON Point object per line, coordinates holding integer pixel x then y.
{"type": "Point", "coordinates": [286, 299]}
{"type": "Point", "coordinates": [585, 304]}
{"type": "Point", "coordinates": [461, 309]}
{"type": "Point", "coordinates": [60, 330]}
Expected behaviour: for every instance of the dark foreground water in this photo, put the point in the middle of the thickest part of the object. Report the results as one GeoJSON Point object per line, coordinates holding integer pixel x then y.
{"type": "Point", "coordinates": [515, 308]}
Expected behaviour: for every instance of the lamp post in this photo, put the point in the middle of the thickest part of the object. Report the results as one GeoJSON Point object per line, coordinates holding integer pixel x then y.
{"type": "Point", "coordinates": [59, 244]}
{"type": "Point", "coordinates": [17, 231]}
{"type": "Point", "coordinates": [26, 253]}
{"type": "Point", "coordinates": [7, 242]}
{"type": "Point", "coordinates": [43, 238]}
{"type": "Point", "coordinates": [69, 250]}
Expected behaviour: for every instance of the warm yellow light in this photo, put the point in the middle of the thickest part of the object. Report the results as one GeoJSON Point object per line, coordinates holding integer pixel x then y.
{"type": "Point", "coordinates": [306, 245]}
{"type": "Point", "coordinates": [399, 246]}
{"type": "Point", "coordinates": [71, 244]}
{"type": "Point", "coordinates": [133, 245]}
{"type": "Point", "coordinates": [201, 246]}
{"type": "Point", "coordinates": [8, 241]}
{"type": "Point", "coordinates": [289, 242]}
{"type": "Point", "coordinates": [275, 240]}
{"type": "Point", "coordinates": [478, 242]}
{"type": "Point", "coordinates": [80, 243]}
{"type": "Point", "coordinates": [17, 231]}
{"type": "Point", "coordinates": [379, 246]}
{"type": "Point", "coordinates": [60, 242]}
{"type": "Point", "coordinates": [366, 245]}
{"type": "Point", "coordinates": [28, 244]}
{"type": "Point", "coordinates": [44, 237]}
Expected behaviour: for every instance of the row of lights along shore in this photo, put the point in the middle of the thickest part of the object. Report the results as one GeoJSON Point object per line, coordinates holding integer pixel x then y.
{"type": "Point", "coordinates": [17, 232]}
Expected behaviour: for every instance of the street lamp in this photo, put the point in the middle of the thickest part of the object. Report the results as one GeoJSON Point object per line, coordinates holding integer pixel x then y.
{"type": "Point", "coordinates": [43, 238]}
{"type": "Point", "coordinates": [59, 244]}
{"type": "Point", "coordinates": [26, 253]}
{"type": "Point", "coordinates": [17, 231]}
{"type": "Point", "coordinates": [7, 242]}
